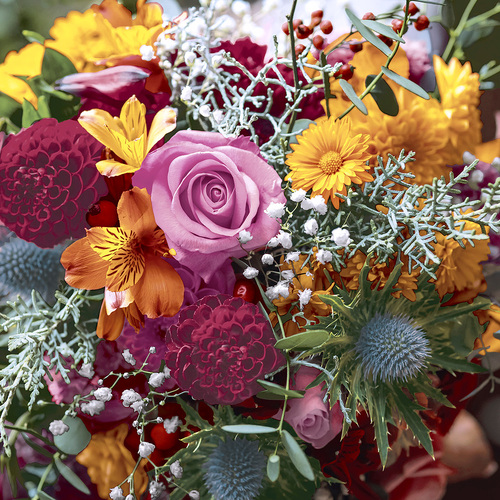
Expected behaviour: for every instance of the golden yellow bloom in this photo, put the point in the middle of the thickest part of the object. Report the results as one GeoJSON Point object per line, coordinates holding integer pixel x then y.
{"type": "Point", "coordinates": [459, 91]}
{"type": "Point", "coordinates": [127, 135]}
{"type": "Point", "coordinates": [108, 462]}
{"type": "Point", "coordinates": [460, 268]}
{"type": "Point", "coordinates": [420, 126]}
{"type": "Point", "coordinates": [492, 316]}
{"type": "Point", "coordinates": [26, 62]}
{"type": "Point", "coordinates": [378, 274]}
{"type": "Point", "coordinates": [488, 151]}
{"type": "Point", "coordinates": [328, 158]}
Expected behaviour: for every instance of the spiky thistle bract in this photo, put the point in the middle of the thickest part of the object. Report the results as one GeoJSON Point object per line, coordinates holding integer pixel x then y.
{"type": "Point", "coordinates": [382, 348]}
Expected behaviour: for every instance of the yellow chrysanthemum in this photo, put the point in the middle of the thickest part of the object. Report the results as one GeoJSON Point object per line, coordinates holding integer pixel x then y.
{"type": "Point", "coordinates": [127, 135]}
{"type": "Point", "coordinates": [460, 268]}
{"type": "Point", "coordinates": [420, 126]}
{"type": "Point", "coordinates": [328, 158]}
{"type": "Point", "coordinates": [108, 462]}
{"type": "Point", "coordinates": [378, 275]}
{"type": "Point", "coordinates": [459, 91]}
{"type": "Point", "coordinates": [26, 62]}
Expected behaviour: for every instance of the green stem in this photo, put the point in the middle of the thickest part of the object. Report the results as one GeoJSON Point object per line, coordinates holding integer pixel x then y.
{"type": "Point", "coordinates": [44, 477]}
{"type": "Point", "coordinates": [29, 431]}
{"type": "Point", "coordinates": [289, 18]}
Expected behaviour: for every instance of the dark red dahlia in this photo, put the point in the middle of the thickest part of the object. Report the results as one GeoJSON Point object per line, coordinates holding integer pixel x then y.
{"type": "Point", "coordinates": [219, 348]}
{"type": "Point", "coordinates": [48, 181]}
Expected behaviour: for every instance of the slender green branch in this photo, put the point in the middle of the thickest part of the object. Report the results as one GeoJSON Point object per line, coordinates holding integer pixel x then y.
{"type": "Point", "coordinates": [454, 34]}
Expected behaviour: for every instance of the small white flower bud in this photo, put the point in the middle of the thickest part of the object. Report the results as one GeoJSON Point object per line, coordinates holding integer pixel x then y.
{"type": "Point", "coordinates": [186, 93]}
{"type": "Point", "coordinates": [86, 370]}
{"type": "Point", "coordinates": [189, 57]}
{"type": "Point", "coordinates": [147, 53]}
{"type": "Point", "coordinates": [250, 273]}
{"type": "Point", "coordinates": [244, 236]}
{"type": "Point", "coordinates": [204, 110]}
{"type": "Point", "coordinates": [103, 394]}
{"type": "Point", "coordinates": [156, 379]}
{"type": "Point", "coordinates": [176, 469]}
{"type": "Point", "coordinates": [267, 259]}
{"type": "Point", "coordinates": [145, 449]}
{"type": "Point", "coordinates": [311, 227]}
{"type": "Point", "coordinates": [58, 427]}
{"type": "Point", "coordinates": [341, 237]}
{"type": "Point", "coordinates": [128, 357]}
{"type": "Point", "coordinates": [275, 210]}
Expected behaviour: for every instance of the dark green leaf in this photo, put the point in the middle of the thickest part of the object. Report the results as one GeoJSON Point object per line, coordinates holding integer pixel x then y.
{"type": "Point", "coordinates": [30, 114]}
{"type": "Point", "coordinates": [7, 105]}
{"type": "Point", "coordinates": [368, 34]}
{"type": "Point", "coordinates": [71, 477]}
{"type": "Point", "coordinates": [273, 467]}
{"type": "Point", "coordinates": [55, 66]}
{"type": "Point", "coordinates": [37, 447]}
{"type": "Point", "coordinates": [33, 36]}
{"type": "Point", "coordinates": [351, 94]}
{"type": "Point", "coordinates": [448, 15]}
{"type": "Point", "coordinates": [452, 364]}
{"type": "Point", "coordinates": [377, 408]}
{"type": "Point", "coordinates": [197, 435]}
{"type": "Point", "coordinates": [248, 429]}
{"type": "Point", "coordinates": [278, 389]}
{"type": "Point", "coordinates": [306, 340]}
{"type": "Point", "coordinates": [75, 439]}
{"type": "Point", "coordinates": [405, 83]}
{"type": "Point", "coordinates": [43, 107]}
{"type": "Point", "coordinates": [472, 35]}
{"type": "Point", "coordinates": [297, 455]}
{"type": "Point", "coordinates": [383, 29]}
{"type": "Point", "coordinates": [383, 96]}
{"type": "Point", "coordinates": [43, 496]}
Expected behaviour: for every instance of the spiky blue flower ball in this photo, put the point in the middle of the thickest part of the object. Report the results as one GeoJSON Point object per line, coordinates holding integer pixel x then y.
{"type": "Point", "coordinates": [235, 470]}
{"type": "Point", "coordinates": [392, 348]}
{"type": "Point", "coordinates": [24, 266]}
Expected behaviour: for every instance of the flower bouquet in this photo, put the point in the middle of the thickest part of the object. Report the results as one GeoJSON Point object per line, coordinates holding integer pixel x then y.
{"type": "Point", "coordinates": [232, 270]}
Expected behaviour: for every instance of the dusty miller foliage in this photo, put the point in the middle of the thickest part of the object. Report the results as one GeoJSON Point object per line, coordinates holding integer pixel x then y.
{"type": "Point", "coordinates": [41, 338]}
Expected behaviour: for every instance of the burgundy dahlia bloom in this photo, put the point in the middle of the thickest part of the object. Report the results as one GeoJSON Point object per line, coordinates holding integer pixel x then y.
{"type": "Point", "coordinates": [48, 181]}
{"type": "Point", "coordinates": [219, 349]}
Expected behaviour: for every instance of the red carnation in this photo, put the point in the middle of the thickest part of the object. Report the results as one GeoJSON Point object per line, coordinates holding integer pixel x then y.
{"type": "Point", "coordinates": [49, 181]}
{"type": "Point", "coordinates": [219, 348]}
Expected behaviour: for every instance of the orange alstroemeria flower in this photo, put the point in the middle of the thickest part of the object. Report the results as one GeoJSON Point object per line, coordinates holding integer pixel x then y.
{"type": "Point", "coordinates": [128, 262]}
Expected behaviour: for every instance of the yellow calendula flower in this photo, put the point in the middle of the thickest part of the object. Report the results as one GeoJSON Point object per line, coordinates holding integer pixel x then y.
{"type": "Point", "coordinates": [459, 92]}
{"type": "Point", "coordinates": [127, 135]}
{"type": "Point", "coordinates": [328, 158]}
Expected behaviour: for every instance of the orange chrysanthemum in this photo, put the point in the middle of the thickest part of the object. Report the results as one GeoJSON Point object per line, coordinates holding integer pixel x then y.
{"type": "Point", "coordinates": [328, 158]}
{"type": "Point", "coordinates": [378, 275]}
{"type": "Point", "coordinates": [109, 462]}
{"type": "Point", "coordinates": [459, 92]}
{"type": "Point", "coordinates": [128, 262]}
{"type": "Point", "coordinates": [460, 268]}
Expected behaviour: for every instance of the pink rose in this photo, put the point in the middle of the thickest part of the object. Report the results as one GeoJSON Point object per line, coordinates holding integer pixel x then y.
{"type": "Point", "coordinates": [313, 421]}
{"type": "Point", "coordinates": [205, 189]}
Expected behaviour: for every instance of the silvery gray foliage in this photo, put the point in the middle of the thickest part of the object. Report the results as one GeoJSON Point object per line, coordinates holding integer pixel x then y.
{"type": "Point", "coordinates": [39, 337]}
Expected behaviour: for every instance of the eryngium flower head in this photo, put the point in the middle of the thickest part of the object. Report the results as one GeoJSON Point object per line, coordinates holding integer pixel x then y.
{"type": "Point", "coordinates": [392, 348]}
{"type": "Point", "coordinates": [219, 349]}
{"type": "Point", "coordinates": [24, 267]}
{"type": "Point", "coordinates": [48, 181]}
{"type": "Point", "coordinates": [235, 470]}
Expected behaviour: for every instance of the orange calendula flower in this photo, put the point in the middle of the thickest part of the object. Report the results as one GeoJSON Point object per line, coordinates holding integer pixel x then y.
{"type": "Point", "coordinates": [328, 158]}
{"type": "Point", "coordinates": [488, 339]}
{"type": "Point", "coordinates": [109, 462]}
{"type": "Point", "coordinates": [127, 135]}
{"type": "Point", "coordinates": [128, 261]}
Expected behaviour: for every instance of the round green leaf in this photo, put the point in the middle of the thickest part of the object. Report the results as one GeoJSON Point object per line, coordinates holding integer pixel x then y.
{"type": "Point", "coordinates": [383, 96]}
{"type": "Point", "coordinates": [273, 467]}
{"type": "Point", "coordinates": [75, 439]}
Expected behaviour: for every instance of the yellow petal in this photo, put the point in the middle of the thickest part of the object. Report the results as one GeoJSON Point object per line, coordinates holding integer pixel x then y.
{"type": "Point", "coordinates": [163, 123]}
{"type": "Point", "coordinates": [135, 212]}
{"type": "Point", "coordinates": [99, 124]}
{"type": "Point", "coordinates": [112, 168]}
{"type": "Point", "coordinates": [133, 118]}
{"type": "Point", "coordinates": [125, 269]}
{"type": "Point", "coordinates": [106, 241]}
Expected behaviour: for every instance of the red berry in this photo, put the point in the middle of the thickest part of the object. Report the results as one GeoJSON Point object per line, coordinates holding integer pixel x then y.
{"type": "Point", "coordinates": [296, 23]}
{"type": "Point", "coordinates": [299, 48]}
{"type": "Point", "coordinates": [386, 40]}
{"type": "Point", "coordinates": [421, 23]}
{"type": "Point", "coordinates": [314, 22]}
{"type": "Point", "coordinates": [412, 9]}
{"type": "Point", "coordinates": [162, 439]}
{"type": "Point", "coordinates": [247, 290]}
{"type": "Point", "coordinates": [102, 214]}
{"type": "Point", "coordinates": [285, 29]}
{"type": "Point", "coordinates": [303, 31]}
{"type": "Point", "coordinates": [326, 26]}
{"type": "Point", "coordinates": [318, 41]}
{"type": "Point", "coordinates": [356, 46]}
{"type": "Point", "coordinates": [369, 16]}
{"type": "Point", "coordinates": [397, 25]}
{"type": "Point", "coordinates": [317, 13]}
{"type": "Point", "coordinates": [344, 72]}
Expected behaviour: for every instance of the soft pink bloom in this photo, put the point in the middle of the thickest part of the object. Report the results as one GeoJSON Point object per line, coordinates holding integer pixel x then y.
{"type": "Point", "coordinates": [219, 349]}
{"type": "Point", "coordinates": [313, 420]}
{"type": "Point", "coordinates": [418, 57]}
{"type": "Point", "coordinates": [205, 189]}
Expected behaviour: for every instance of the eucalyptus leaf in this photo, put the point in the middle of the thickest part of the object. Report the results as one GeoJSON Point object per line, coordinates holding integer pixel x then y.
{"type": "Point", "coordinates": [351, 94]}
{"type": "Point", "coordinates": [248, 429]}
{"type": "Point", "coordinates": [71, 477]}
{"type": "Point", "coordinates": [448, 15]}
{"type": "Point", "coordinates": [278, 389]}
{"type": "Point", "coordinates": [384, 96]}
{"type": "Point", "coordinates": [30, 114]}
{"type": "Point", "coordinates": [297, 455]}
{"type": "Point", "coordinates": [405, 83]}
{"type": "Point", "coordinates": [305, 340]}
{"type": "Point", "coordinates": [56, 65]}
{"type": "Point", "coordinates": [273, 467]}
{"type": "Point", "coordinates": [75, 439]}
{"type": "Point", "coordinates": [271, 396]}
{"type": "Point", "coordinates": [383, 29]}
{"type": "Point", "coordinates": [37, 447]}
{"type": "Point", "coordinates": [368, 34]}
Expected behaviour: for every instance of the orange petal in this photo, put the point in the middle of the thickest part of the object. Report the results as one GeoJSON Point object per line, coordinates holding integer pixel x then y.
{"type": "Point", "coordinates": [163, 123]}
{"type": "Point", "coordinates": [84, 268]}
{"type": "Point", "coordinates": [134, 316]}
{"type": "Point", "coordinates": [110, 326]}
{"type": "Point", "coordinates": [160, 291]}
{"type": "Point", "coordinates": [135, 212]}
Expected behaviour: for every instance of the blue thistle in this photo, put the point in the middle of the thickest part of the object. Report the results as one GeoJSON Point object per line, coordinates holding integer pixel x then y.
{"type": "Point", "coordinates": [392, 348]}
{"type": "Point", "coordinates": [235, 470]}
{"type": "Point", "coordinates": [24, 266]}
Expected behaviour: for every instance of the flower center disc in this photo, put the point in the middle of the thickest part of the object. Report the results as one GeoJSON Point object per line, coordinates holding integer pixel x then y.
{"type": "Point", "coordinates": [330, 162]}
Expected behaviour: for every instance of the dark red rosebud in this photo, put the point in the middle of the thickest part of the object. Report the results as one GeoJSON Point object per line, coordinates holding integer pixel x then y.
{"type": "Point", "coordinates": [164, 440]}
{"type": "Point", "coordinates": [412, 9]}
{"type": "Point", "coordinates": [247, 290]}
{"type": "Point", "coordinates": [102, 214]}
{"type": "Point", "coordinates": [422, 23]}
{"type": "Point", "coordinates": [397, 25]}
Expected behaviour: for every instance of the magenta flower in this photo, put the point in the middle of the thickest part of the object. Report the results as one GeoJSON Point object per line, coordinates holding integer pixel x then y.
{"type": "Point", "coordinates": [219, 349]}
{"type": "Point", "coordinates": [49, 181]}
{"type": "Point", "coordinates": [205, 189]}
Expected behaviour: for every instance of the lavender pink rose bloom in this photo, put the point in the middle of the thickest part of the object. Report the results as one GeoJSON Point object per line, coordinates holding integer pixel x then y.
{"type": "Point", "coordinates": [205, 189]}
